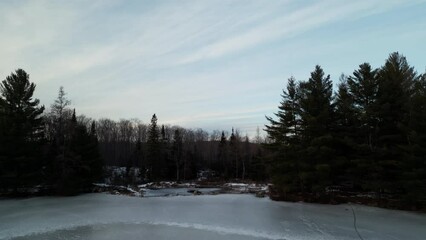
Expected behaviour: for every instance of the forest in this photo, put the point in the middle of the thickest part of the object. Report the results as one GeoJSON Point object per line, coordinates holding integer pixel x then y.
{"type": "Point", "coordinates": [63, 153]}
{"type": "Point", "coordinates": [367, 136]}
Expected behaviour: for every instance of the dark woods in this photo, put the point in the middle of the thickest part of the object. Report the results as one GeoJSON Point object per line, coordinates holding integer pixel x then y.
{"type": "Point", "coordinates": [369, 136]}
{"type": "Point", "coordinates": [49, 153]}
{"type": "Point", "coordinates": [58, 152]}
{"type": "Point", "coordinates": [152, 152]}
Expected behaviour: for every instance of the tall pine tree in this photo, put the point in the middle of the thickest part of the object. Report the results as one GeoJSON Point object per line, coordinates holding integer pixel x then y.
{"type": "Point", "coordinates": [317, 121]}
{"type": "Point", "coordinates": [395, 88]}
{"type": "Point", "coordinates": [21, 132]}
{"type": "Point", "coordinates": [284, 135]}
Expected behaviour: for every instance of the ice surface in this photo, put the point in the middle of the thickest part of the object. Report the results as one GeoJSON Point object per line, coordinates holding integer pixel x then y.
{"type": "Point", "coordinates": [229, 216]}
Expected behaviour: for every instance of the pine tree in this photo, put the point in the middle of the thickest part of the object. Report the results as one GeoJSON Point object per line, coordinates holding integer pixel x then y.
{"type": "Point", "coordinates": [315, 105]}
{"type": "Point", "coordinates": [317, 121]}
{"type": "Point", "coordinates": [346, 119]}
{"type": "Point", "coordinates": [285, 136]}
{"type": "Point", "coordinates": [363, 86]}
{"type": "Point", "coordinates": [414, 175]}
{"type": "Point", "coordinates": [396, 79]}
{"type": "Point", "coordinates": [285, 130]}
{"type": "Point", "coordinates": [345, 133]}
{"type": "Point", "coordinates": [21, 132]}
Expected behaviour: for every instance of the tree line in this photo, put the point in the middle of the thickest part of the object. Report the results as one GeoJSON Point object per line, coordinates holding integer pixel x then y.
{"type": "Point", "coordinates": [165, 152]}
{"type": "Point", "coordinates": [367, 136]}
{"type": "Point", "coordinates": [61, 152]}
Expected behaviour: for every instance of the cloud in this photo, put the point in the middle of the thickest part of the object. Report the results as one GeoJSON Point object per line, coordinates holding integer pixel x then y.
{"type": "Point", "coordinates": [288, 25]}
{"type": "Point", "coordinates": [189, 61]}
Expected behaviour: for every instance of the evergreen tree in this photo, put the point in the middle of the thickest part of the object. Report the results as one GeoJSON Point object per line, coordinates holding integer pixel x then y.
{"type": "Point", "coordinates": [21, 132]}
{"type": "Point", "coordinates": [95, 160]}
{"type": "Point", "coordinates": [395, 88]}
{"type": "Point", "coordinates": [166, 161]}
{"type": "Point", "coordinates": [223, 156]}
{"type": "Point", "coordinates": [369, 136]}
{"type": "Point", "coordinates": [363, 86]}
{"type": "Point", "coordinates": [317, 120]}
{"type": "Point", "coordinates": [81, 165]}
{"type": "Point", "coordinates": [414, 175]}
{"type": "Point", "coordinates": [345, 132]}
{"type": "Point", "coordinates": [346, 119]}
{"type": "Point", "coordinates": [285, 130]}
{"type": "Point", "coordinates": [315, 105]}
{"type": "Point", "coordinates": [177, 149]}
{"type": "Point", "coordinates": [234, 142]}
{"type": "Point", "coordinates": [284, 134]}
{"type": "Point", "coordinates": [163, 134]}
{"type": "Point", "coordinates": [154, 148]}
{"type": "Point", "coordinates": [257, 167]}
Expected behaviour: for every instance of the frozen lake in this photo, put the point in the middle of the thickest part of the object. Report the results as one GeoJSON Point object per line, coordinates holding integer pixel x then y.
{"type": "Point", "coordinates": [103, 216]}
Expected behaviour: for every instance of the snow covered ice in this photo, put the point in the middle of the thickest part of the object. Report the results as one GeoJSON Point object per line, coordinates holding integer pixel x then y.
{"type": "Point", "coordinates": [228, 216]}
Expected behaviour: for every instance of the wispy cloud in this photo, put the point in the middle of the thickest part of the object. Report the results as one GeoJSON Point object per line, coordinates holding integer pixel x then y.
{"type": "Point", "coordinates": [219, 64]}
{"type": "Point", "coordinates": [289, 24]}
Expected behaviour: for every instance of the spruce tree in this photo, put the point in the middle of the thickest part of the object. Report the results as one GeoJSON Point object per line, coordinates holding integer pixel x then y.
{"type": "Point", "coordinates": [223, 156]}
{"type": "Point", "coordinates": [153, 144]}
{"type": "Point", "coordinates": [95, 160]}
{"type": "Point", "coordinates": [234, 154]}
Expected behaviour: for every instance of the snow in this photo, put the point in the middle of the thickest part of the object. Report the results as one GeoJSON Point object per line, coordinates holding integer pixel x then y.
{"type": "Point", "coordinates": [247, 187]}
{"type": "Point", "coordinates": [228, 216]}
{"type": "Point", "coordinates": [165, 192]}
{"type": "Point", "coordinates": [101, 185]}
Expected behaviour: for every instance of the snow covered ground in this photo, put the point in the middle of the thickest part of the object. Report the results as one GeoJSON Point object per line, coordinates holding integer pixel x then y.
{"type": "Point", "coordinates": [228, 216]}
{"type": "Point", "coordinates": [167, 189]}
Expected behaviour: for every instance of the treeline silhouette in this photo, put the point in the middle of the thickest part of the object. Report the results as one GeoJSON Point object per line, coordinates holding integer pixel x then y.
{"type": "Point", "coordinates": [59, 152]}
{"type": "Point", "coordinates": [368, 136]}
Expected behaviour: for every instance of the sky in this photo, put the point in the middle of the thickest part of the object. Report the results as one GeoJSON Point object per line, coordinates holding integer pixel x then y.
{"type": "Point", "coordinates": [211, 64]}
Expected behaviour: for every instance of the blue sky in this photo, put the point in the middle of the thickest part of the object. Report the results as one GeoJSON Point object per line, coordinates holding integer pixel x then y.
{"type": "Point", "coordinates": [199, 64]}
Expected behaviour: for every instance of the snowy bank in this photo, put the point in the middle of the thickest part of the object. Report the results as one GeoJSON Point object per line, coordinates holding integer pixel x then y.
{"type": "Point", "coordinates": [170, 188]}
